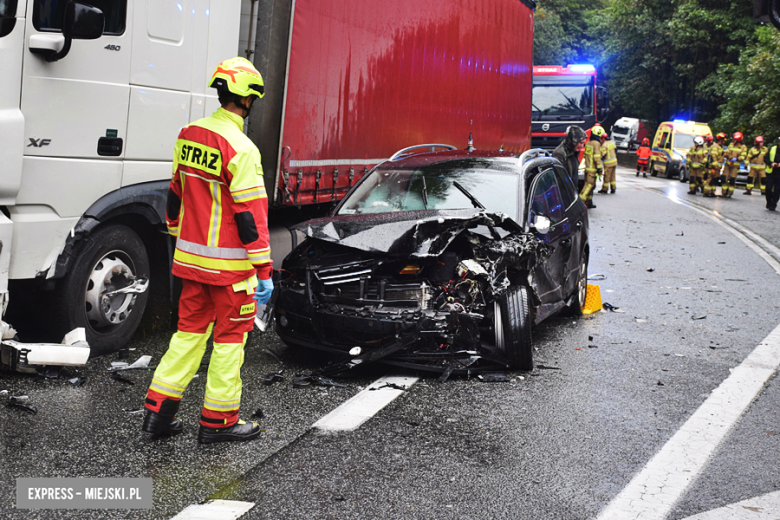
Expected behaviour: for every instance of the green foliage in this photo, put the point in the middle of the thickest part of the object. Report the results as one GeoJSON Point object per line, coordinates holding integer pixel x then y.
{"type": "Point", "coordinates": [706, 60]}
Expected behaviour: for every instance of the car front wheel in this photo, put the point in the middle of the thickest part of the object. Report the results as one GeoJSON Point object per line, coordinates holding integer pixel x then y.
{"type": "Point", "coordinates": [577, 300]}
{"type": "Point", "coordinates": [512, 323]}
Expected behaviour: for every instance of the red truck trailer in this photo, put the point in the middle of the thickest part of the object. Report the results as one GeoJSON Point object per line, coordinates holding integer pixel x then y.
{"type": "Point", "coordinates": [564, 96]}
{"type": "Point", "coordinates": [350, 82]}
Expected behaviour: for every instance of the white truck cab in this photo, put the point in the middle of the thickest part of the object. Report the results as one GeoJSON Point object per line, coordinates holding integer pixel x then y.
{"type": "Point", "coordinates": [92, 98]}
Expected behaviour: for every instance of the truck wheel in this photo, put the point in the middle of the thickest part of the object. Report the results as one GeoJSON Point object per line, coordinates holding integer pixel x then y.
{"type": "Point", "coordinates": [512, 324]}
{"type": "Point", "coordinates": [113, 257]}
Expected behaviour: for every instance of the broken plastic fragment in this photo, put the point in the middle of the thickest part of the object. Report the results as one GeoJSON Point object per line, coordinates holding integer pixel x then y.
{"type": "Point", "coordinates": [273, 377]}
{"type": "Point", "coordinates": [493, 377]}
{"type": "Point", "coordinates": [77, 381]}
{"type": "Point", "coordinates": [611, 308]}
{"type": "Point", "coordinates": [116, 377]}
{"type": "Point", "coordinates": [141, 362]}
{"type": "Point", "coordinates": [548, 368]}
{"type": "Point", "coordinates": [650, 269]}
{"type": "Point", "coordinates": [21, 402]}
{"type": "Point", "coordinates": [300, 381]}
{"type": "Point", "coordinates": [699, 317]}
{"type": "Point", "coordinates": [597, 277]}
{"type": "Point", "coordinates": [133, 410]}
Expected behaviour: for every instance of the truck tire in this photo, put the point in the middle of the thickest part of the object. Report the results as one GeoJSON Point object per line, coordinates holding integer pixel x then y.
{"type": "Point", "coordinates": [512, 323]}
{"type": "Point", "coordinates": [112, 253]}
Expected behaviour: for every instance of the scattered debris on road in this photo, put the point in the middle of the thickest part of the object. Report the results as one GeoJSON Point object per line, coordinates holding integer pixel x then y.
{"type": "Point", "coordinates": [493, 377]}
{"type": "Point", "coordinates": [22, 402]}
{"type": "Point", "coordinates": [141, 362]}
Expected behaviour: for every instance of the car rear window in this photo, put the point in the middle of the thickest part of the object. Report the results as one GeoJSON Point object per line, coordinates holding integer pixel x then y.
{"type": "Point", "coordinates": [386, 191]}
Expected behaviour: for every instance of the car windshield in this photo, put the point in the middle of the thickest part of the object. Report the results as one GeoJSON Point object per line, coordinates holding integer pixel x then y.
{"type": "Point", "coordinates": [562, 100]}
{"type": "Point", "coordinates": [386, 191]}
{"type": "Point", "coordinates": [683, 140]}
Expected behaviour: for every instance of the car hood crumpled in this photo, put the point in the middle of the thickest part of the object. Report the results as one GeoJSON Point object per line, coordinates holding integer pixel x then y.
{"type": "Point", "coordinates": [410, 233]}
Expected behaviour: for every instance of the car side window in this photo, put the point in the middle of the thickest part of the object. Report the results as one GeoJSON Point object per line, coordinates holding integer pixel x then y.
{"type": "Point", "coordinates": [568, 190]}
{"type": "Point", "coordinates": [7, 8]}
{"type": "Point", "coordinates": [546, 199]}
{"type": "Point", "coordinates": [48, 14]}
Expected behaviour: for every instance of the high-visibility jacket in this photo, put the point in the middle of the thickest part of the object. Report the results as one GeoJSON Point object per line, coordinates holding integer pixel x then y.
{"type": "Point", "coordinates": [770, 159]}
{"type": "Point", "coordinates": [755, 157]}
{"type": "Point", "coordinates": [736, 151]}
{"type": "Point", "coordinates": [217, 204]}
{"type": "Point", "coordinates": [609, 153]}
{"type": "Point", "coordinates": [643, 154]}
{"type": "Point", "coordinates": [592, 156]}
{"type": "Point", "coordinates": [696, 156]}
{"type": "Point", "coordinates": [715, 158]}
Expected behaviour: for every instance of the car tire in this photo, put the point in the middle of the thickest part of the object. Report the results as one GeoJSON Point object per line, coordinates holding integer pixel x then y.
{"type": "Point", "coordinates": [512, 324]}
{"type": "Point", "coordinates": [577, 299]}
{"type": "Point", "coordinates": [683, 174]}
{"type": "Point", "coordinates": [669, 171]}
{"type": "Point", "coordinates": [110, 255]}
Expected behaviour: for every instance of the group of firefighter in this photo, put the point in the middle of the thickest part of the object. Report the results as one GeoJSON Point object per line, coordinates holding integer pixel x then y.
{"type": "Point", "coordinates": [711, 160]}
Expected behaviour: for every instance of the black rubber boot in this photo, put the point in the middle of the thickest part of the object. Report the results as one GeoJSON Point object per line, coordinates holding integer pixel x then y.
{"type": "Point", "coordinates": [163, 423]}
{"type": "Point", "coordinates": [589, 204]}
{"type": "Point", "coordinates": [241, 431]}
{"type": "Point", "coordinates": [612, 191]}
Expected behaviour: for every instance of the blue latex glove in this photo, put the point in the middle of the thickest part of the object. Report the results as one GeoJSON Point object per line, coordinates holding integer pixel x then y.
{"type": "Point", "coordinates": [734, 160]}
{"type": "Point", "coordinates": [264, 291]}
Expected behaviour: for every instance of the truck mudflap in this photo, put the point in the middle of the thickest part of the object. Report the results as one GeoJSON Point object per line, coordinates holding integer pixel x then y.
{"type": "Point", "coordinates": [27, 357]}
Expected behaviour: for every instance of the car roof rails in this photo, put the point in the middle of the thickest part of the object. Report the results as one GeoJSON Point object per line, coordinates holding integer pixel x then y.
{"type": "Point", "coordinates": [431, 148]}
{"type": "Point", "coordinates": [532, 154]}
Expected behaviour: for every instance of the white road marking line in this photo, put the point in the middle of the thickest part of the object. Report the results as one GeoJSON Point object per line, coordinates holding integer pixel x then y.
{"type": "Point", "coordinates": [653, 493]}
{"type": "Point", "coordinates": [361, 407]}
{"type": "Point", "coordinates": [765, 507]}
{"type": "Point", "coordinates": [215, 510]}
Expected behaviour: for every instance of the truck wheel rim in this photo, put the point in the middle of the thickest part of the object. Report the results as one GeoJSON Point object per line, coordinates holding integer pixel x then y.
{"type": "Point", "coordinates": [109, 274]}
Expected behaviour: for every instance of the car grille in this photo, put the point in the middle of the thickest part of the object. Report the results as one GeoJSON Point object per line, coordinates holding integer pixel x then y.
{"type": "Point", "coordinates": [354, 285]}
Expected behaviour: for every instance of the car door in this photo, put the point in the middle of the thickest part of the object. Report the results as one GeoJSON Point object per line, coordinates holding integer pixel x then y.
{"type": "Point", "coordinates": [576, 215]}
{"type": "Point", "coordinates": [545, 199]}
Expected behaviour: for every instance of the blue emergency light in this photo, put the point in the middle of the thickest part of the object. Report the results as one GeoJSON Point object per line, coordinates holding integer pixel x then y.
{"type": "Point", "coordinates": [582, 68]}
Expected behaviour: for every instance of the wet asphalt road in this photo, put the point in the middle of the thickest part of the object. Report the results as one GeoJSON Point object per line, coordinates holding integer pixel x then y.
{"type": "Point", "coordinates": [559, 442]}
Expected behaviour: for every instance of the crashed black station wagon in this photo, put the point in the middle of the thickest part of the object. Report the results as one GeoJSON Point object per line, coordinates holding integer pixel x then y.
{"type": "Point", "coordinates": [441, 260]}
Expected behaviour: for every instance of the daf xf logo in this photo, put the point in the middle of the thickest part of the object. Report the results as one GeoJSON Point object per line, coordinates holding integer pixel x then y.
{"type": "Point", "coordinates": [545, 127]}
{"type": "Point", "coordinates": [37, 143]}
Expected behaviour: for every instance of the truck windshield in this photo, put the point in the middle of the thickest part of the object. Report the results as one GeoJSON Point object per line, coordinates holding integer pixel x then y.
{"type": "Point", "coordinates": [386, 191]}
{"type": "Point", "coordinates": [683, 140]}
{"type": "Point", "coordinates": [562, 100]}
{"type": "Point", "coordinates": [622, 130]}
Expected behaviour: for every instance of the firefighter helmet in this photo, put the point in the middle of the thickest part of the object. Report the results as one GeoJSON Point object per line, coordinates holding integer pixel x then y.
{"type": "Point", "coordinates": [238, 76]}
{"type": "Point", "coordinates": [737, 136]}
{"type": "Point", "coordinates": [709, 138]}
{"type": "Point", "coordinates": [645, 142]}
{"type": "Point", "coordinates": [699, 140]}
{"type": "Point", "coordinates": [598, 131]}
{"type": "Point", "coordinates": [759, 140]}
{"type": "Point", "coordinates": [720, 136]}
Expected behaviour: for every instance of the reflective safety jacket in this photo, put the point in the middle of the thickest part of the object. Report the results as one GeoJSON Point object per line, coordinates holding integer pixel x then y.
{"type": "Point", "coordinates": [696, 156]}
{"type": "Point", "coordinates": [609, 153]}
{"type": "Point", "coordinates": [736, 151]}
{"type": "Point", "coordinates": [755, 157]}
{"type": "Point", "coordinates": [771, 158]}
{"type": "Point", "coordinates": [592, 156]}
{"type": "Point", "coordinates": [715, 155]}
{"type": "Point", "coordinates": [643, 154]}
{"type": "Point", "coordinates": [217, 205]}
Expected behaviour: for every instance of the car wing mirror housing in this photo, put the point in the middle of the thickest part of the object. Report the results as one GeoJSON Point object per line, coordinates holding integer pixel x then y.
{"type": "Point", "coordinates": [541, 224]}
{"type": "Point", "coordinates": [81, 22]}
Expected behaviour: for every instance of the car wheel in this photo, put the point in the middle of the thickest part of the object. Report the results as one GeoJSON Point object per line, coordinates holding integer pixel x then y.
{"type": "Point", "coordinates": [577, 300]}
{"type": "Point", "coordinates": [669, 171]}
{"type": "Point", "coordinates": [512, 325]}
{"type": "Point", "coordinates": [683, 174]}
{"type": "Point", "coordinates": [113, 257]}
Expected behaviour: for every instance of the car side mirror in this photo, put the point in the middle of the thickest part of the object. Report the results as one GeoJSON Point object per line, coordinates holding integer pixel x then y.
{"type": "Point", "coordinates": [81, 22]}
{"type": "Point", "coordinates": [541, 224]}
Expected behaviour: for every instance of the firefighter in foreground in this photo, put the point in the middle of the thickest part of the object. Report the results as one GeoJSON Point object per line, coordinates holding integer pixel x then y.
{"type": "Point", "coordinates": [593, 165]}
{"type": "Point", "coordinates": [733, 156]}
{"type": "Point", "coordinates": [772, 161]}
{"type": "Point", "coordinates": [643, 154]}
{"type": "Point", "coordinates": [715, 164]}
{"type": "Point", "coordinates": [609, 160]}
{"type": "Point", "coordinates": [696, 156]}
{"type": "Point", "coordinates": [218, 210]}
{"type": "Point", "coordinates": [757, 173]}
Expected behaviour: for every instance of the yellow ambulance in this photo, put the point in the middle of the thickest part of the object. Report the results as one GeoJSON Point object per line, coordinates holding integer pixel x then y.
{"type": "Point", "coordinates": [671, 143]}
